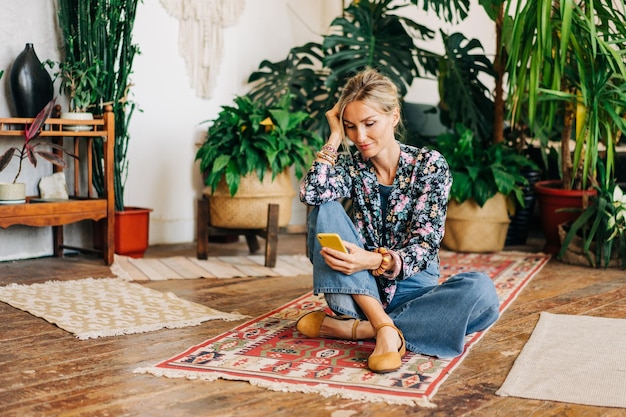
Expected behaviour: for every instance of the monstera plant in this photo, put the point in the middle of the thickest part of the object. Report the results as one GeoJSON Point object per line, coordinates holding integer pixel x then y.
{"type": "Point", "coordinates": [369, 35]}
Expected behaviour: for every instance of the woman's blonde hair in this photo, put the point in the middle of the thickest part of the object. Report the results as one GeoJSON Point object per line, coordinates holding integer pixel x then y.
{"type": "Point", "coordinates": [374, 89]}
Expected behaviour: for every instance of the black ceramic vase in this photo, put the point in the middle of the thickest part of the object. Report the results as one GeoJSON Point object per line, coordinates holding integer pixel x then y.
{"type": "Point", "coordinates": [31, 85]}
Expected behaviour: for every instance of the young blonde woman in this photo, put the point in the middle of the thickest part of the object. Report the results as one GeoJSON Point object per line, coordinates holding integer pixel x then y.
{"type": "Point", "coordinates": [386, 286]}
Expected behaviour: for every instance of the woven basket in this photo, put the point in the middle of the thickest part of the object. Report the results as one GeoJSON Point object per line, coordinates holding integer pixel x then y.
{"type": "Point", "coordinates": [471, 228]}
{"type": "Point", "coordinates": [12, 191]}
{"type": "Point", "coordinates": [248, 208]}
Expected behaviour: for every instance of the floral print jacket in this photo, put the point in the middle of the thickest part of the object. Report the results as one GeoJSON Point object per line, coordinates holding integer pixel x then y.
{"type": "Point", "coordinates": [416, 211]}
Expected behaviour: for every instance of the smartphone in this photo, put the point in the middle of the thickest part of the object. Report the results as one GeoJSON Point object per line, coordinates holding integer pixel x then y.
{"type": "Point", "coordinates": [331, 240]}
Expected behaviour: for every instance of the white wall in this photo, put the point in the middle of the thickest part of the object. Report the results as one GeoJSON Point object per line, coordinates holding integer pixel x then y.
{"type": "Point", "coordinates": [28, 21]}
{"type": "Point", "coordinates": [162, 173]}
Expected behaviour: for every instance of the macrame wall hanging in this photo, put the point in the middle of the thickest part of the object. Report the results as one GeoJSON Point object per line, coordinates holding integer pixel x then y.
{"type": "Point", "coordinates": [200, 36]}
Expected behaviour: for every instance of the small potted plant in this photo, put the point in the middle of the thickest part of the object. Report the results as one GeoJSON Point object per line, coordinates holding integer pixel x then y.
{"type": "Point", "coordinates": [248, 151]}
{"type": "Point", "coordinates": [15, 192]}
{"type": "Point", "coordinates": [597, 238]}
{"type": "Point", "coordinates": [79, 83]}
{"type": "Point", "coordinates": [486, 182]}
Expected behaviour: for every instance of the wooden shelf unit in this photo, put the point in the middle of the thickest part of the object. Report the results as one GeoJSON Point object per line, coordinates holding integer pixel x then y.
{"type": "Point", "coordinates": [84, 203]}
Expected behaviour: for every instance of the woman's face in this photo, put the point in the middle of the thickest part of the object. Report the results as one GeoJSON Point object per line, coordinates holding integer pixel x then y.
{"type": "Point", "coordinates": [369, 129]}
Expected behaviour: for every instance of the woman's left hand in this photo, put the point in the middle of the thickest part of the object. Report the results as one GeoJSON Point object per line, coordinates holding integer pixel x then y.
{"type": "Point", "coordinates": [357, 259]}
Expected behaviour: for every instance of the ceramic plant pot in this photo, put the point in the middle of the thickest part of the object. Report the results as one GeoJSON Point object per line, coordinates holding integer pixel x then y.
{"type": "Point", "coordinates": [12, 193]}
{"type": "Point", "coordinates": [132, 228]}
{"type": "Point", "coordinates": [80, 116]}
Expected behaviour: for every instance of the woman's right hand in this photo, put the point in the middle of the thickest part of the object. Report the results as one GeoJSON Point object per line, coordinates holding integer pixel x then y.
{"type": "Point", "coordinates": [334, 122]}
{"type": "Point", "coordinates": [357, 259]}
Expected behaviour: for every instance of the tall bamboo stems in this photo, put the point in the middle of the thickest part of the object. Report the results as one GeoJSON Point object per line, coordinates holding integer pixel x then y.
{"type": "Point", "coordinates": [100, 31]}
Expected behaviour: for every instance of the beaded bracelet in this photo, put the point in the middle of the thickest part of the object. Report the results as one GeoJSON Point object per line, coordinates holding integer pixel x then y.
{"type": "Point", "coordinates": [330, 149]}
{"type": "Point", "coordinates": [327, 157]}
{"type": "Point", "coordinates": [384, 264]}
{"type": "Point", "coordinates": [396, 267]}
{"type": "Point", "coordinates": [328, 153]}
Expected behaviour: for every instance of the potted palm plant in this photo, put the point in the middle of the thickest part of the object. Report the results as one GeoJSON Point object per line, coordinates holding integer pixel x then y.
{"type": "Point", "coordinates": [565, 61]}
{"type": "Point", "coordinates": [100, 33]}
{"type": "Point", "coordinates": [246, 157]}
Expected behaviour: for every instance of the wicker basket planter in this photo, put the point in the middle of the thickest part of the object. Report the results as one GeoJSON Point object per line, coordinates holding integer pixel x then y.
{"type": "Point", "coordinates": [471, 228]}
{"type": "Point", "coordinates": [248, 208]}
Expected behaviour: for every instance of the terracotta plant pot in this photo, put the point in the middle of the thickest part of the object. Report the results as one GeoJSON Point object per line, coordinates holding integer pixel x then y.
{"type": "Point", "coordinates": [132, 228]}
{"type": "Point", "coordinates": [553, 199]}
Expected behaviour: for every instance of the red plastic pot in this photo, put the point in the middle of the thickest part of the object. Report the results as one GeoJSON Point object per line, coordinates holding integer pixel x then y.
{"type": "Point", "coordinates": [558, 206]}
{"type": "Point", "coordinates": [132, 228]}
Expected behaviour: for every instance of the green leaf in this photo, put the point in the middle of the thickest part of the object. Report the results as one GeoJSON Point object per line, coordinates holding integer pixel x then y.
{"type": "Point", "coordinates": [5, 159]}
{"type": "Point", "coordinates": [479, 171]}
{"type": "Point", "coordinates": [237, 143]}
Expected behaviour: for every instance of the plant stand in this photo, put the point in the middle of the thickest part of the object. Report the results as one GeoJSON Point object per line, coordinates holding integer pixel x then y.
{"type": "Point", "coordinates": [269, 233]}
{"type": "Point", "coordinates": [84, 203]}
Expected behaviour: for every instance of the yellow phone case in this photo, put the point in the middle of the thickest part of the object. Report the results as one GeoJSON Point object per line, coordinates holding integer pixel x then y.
{"type": "Point", "coordinates": [331, 240]}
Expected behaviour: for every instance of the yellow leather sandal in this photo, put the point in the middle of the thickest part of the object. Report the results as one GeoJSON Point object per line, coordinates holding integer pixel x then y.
{"type": "Point", "coordinates": [390, 361]}
{"type": "Point", "coordinates": [311, 323]}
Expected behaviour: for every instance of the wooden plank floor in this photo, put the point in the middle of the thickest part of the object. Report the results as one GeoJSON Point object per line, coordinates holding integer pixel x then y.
{"type": "Point", "coordinates": [45, 371]}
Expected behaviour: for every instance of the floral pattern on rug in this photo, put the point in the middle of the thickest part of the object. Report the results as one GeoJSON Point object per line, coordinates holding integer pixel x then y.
{"type": "Point", "coordinates": [270, 353]}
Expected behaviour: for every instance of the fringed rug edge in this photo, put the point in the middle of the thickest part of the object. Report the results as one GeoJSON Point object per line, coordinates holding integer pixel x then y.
{"type": "Point", "coordinates": [120, 272]}
{"type": "Point", "coordinates": [321, 389]}
{"type": "Point", "coordinates": [157, 326]}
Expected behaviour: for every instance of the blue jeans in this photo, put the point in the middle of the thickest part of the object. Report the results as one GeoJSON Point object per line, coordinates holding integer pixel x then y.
{"type": "Point", "coordinates": [433, 318]}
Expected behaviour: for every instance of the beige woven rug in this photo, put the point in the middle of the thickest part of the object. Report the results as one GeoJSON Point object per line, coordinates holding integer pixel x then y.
{"type": "Point", "coordinates": [91, 308]}
{"type": "Point", "coordinates": [181, 267]}
{"type": "Point", "coordinates": [573, 359]}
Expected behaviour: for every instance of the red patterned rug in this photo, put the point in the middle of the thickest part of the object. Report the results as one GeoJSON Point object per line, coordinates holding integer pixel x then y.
{"type": "Point", "coordinates": [268, 352]}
